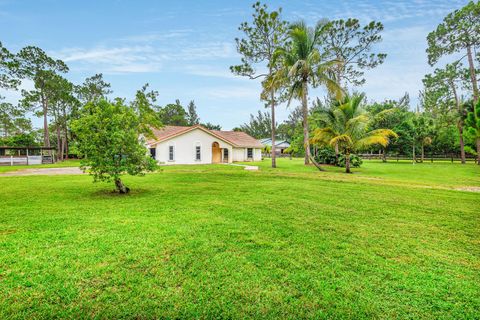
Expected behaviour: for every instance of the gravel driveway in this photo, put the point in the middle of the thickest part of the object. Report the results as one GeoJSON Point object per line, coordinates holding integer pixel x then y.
{"type": "Point", "coordinates": [44, 171]}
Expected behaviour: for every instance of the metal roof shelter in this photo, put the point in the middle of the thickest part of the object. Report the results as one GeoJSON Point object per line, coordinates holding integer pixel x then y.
{"type": "Point", "coordinates": [26, 155]}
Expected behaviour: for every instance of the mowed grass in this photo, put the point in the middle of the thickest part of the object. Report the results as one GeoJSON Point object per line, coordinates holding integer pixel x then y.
{"type": "Point", "coordinates": [390, 241]}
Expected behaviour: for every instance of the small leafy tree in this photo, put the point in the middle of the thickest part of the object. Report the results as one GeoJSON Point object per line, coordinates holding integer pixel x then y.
{"type": "Point", "coordinates": [109, 139]}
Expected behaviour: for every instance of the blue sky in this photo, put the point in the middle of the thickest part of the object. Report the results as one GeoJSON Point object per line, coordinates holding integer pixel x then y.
{"type": "Point", "coordinates": [184, 48]}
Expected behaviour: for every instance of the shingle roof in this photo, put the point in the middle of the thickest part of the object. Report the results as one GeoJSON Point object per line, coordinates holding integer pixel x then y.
{"type": "Point", "coordinates": [237, 139]}
{"type": "Point", "coordinates": [166, 132]}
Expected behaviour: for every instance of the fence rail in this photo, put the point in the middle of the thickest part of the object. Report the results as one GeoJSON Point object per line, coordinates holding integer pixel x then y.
{"type": "Point", "coordinates": [278, 155]}
{"type": "Point", "coordinates": [430, 157]}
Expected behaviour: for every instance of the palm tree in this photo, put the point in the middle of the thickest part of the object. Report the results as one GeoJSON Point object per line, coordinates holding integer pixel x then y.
{"type": "Point", "coordinates": [302, 65]}
{"type": "Point", "coordinates": [347, 125]}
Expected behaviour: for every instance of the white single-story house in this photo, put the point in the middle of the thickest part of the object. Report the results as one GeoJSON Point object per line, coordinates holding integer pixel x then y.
{"type": "Point", "coordinates": [199, 145]}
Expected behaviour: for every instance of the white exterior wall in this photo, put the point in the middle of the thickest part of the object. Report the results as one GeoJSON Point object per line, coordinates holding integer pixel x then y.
{"type": "Point", "coordinates": [184, 148]}
{"type": "Point", "coordinates": [240, 154]}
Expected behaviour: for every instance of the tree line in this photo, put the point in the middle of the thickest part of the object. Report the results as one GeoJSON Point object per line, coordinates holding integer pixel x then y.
{"type": "Point", "coordinates": [59, 101]}
{"type": "Point", "coordinates": [291, 58]}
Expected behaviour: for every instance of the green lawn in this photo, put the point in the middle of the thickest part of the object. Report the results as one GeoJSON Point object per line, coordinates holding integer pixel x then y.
{"type": "Point", "coordinates": [393, 240]}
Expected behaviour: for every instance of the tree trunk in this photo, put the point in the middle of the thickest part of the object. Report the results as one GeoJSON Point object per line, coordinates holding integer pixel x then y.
{"type": "Point", "coordinates": [306, 143]}
{"type": "Point", "coordinates": [473, 76]}
{"type": "Point", "coordinates": [273, 151]}
{"type": "Point", "coordinates": [121, 187]}
{"type": "Point", "coordinates": [316, 164]}
{"type": "Point", "coordinates": [347, 161]}
{"type": "Point", "coordinates": [423, 152]}
{"type": "Point", "coordinates": [46, 134]}
{"type": "Point", "coordinates": [66, 143]}
{"type": "Point", "coordinates": [462, 143]}
{"type": "Point", "coordinates": [384, 156]}
{"type": "Point", "coordinates": [336, 154]}
{"type": "Point", "coordinates": [460, 122]}
{"type": "Point", "coordinates": [59, 143]}
{"type": "Point", "coordinates": [414, 158]}
{"type": "Point", "coordinates": [478, 151]}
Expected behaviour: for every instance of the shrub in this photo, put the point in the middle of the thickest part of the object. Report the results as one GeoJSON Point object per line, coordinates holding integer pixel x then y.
{"type": "Point", "coordinates": [355, 161]}
{"type": "Point", "coordinates": [325, 156]}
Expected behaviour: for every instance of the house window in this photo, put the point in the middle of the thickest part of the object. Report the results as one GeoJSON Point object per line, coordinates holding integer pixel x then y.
{"type": "Point", "coordinates": [153, 152]}
{"type": "Point", "coordinates": [198, 153]}
{"type": "Point", "coordinates": [250, 153]}
{"type": "Point", "coordinates": [171, 153]}
{"type": "Point", "coordinates": [225, 155]}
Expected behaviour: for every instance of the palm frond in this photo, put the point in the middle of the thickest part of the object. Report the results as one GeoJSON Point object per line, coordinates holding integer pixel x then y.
{"type": "Point", "coordinates": [343, 139]}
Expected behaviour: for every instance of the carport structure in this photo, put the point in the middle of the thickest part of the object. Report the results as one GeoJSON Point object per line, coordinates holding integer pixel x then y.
{"type": "Point", "coordinates": [29, 155]}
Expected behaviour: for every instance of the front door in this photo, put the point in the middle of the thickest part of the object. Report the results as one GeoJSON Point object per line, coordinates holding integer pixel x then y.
{"type": "Point", "coordinates": [216, 153]}
{"type": "Point", "coordinates": [153, 152]}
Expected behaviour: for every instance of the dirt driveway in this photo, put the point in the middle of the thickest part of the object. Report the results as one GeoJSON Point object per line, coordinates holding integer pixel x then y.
{"type": "Point", "coordinates": [43, 171]}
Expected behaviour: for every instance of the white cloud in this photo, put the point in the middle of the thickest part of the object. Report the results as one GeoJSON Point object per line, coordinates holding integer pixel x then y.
{"type": "Point", "coordinates": [210, 71]}
{"type": "Point", "coordinates": [157, 36]}
{"type": "Point", "coordinates": [148, 58]}
{"type": "Point", "coordinates": [126, 59]}
{"type": "Point", "coordinates": [231, 92]}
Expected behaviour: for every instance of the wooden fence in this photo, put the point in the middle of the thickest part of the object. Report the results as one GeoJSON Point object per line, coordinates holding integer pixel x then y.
{"type": "Point", "coordinates": [430, 157]}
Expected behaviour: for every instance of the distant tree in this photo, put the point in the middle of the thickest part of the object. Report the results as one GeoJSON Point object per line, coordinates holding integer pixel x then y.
{"type": "Point", "coordinates": [422, 133]}
{"type": "Point", "coordinates": [12, 120]}
{"type": "Point", "coordinates": [266, 34]}
{"type": "Point", "coordinates": [352, 44]}
{"type": "Point", "coordinates": [173, 114]}
{"type": "Point", "coordinates": [20, 140]}
{"type": "Point", "coordinates": [36, 65]}
{"type": "Point", "coordinates": [192, 116]}
{"type": "Point", "coordinates": [93, 89]}
{"type": "Point", "coordinates": [260, 126]}
{"type": "Point", "coordinates": [348, 127]}
{"type": "Point", "coordinates": [442, 96]}
{"type": "Point", "coordinates": [62, 104]}
{"type": "Point", "coordinates": [473, 126]}
{"type": "Point", "coordinates": [109, 138]}
{"type": "Point", "coordinates": [459, 32]}
{"type": "Point", "coordinates": [303, 66]}
{"type": "Point", "coordinates": [8, 69]}
{"type": "Point", "coordinates": [392, 114]}
{"type": "Point", "coordinates": [211, 126]}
